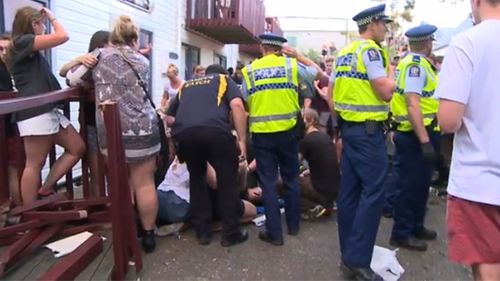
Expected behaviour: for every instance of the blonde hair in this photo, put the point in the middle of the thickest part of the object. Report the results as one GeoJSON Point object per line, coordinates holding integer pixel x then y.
{"type": "Point", "coordinates": [311, 116]}
{"type": "Point", "coordinates": [125, 32]}
{"type": "Point", "coordinates": [173, 67]}
{"type": "Point", "coordinates": [198, 68]}
{"type": "Point", "coordinates": [329, 59]}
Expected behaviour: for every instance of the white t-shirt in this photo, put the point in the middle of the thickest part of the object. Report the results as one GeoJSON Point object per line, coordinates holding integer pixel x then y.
{"type": "Point", "coordinates": [470, 75]}
{"type": "Point", "coordinates": [177, 180]}
{"type": "Point", "coordinates": [171, 91]}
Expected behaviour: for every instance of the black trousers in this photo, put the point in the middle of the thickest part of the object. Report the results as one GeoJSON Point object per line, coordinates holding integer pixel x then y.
{"type": "Point", "coordinates": [197, 146]}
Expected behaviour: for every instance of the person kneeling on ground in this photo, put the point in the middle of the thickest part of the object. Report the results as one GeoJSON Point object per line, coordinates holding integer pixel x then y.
{"type": "Point", "coordinates": [319, 184]}
{"type": "Point", "coordinates": [174, 199]}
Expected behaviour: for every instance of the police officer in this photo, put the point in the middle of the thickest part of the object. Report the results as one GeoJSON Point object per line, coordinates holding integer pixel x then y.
{"type": "Point", "coordinates": [416, 138]}
{"type": "Point", "coordinates": [363, 88]}
{"type": "Point", "coordinates": [201, 127]}
{"type": "Point", "coordinates": [272, 85]}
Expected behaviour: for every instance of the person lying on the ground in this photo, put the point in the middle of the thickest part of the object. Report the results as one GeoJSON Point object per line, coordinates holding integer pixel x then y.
{"type": "Point", "coordinates": [174, 199]}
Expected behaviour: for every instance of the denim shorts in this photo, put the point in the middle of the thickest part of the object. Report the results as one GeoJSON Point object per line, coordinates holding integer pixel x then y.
{"type": "Point", "coordinates": [171, 208]}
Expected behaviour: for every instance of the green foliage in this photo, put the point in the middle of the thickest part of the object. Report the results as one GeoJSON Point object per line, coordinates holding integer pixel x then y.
{"type": "Point", "coordinates": [312, 54]}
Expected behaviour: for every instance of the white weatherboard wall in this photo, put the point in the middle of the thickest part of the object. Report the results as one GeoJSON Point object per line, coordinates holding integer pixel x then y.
{"type": "Point", "coordinates": [81, 18]}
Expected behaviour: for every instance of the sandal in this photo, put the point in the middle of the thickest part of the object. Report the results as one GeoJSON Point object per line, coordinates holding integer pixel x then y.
{"type": "Point", "coordinates": [46, 193]}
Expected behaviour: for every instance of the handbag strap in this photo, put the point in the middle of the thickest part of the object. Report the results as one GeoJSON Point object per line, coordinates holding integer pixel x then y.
{"type": "Point", "coordinates": [139, 78]}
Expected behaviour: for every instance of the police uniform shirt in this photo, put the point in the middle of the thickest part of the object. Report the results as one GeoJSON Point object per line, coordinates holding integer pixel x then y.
{"type": "Point", "coordinates": [374, 63]}
{"type": "Point", "coordinates": [306, 74]}
{"type": "Point", "coordinates": [415, 79]}
{"type": "Point", "coordinates": [204, 102]}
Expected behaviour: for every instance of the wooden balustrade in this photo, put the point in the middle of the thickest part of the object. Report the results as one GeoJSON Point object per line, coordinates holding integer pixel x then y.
{"type": "Point", "coordinates": [227, 21]}
{"type": "Point", "coordinates": [46, 218]}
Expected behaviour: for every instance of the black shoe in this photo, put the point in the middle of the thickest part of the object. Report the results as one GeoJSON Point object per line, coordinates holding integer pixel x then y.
{"type": "Point", "coordinates": [148, 241]}
{"type": "Point", "coordinates": [293, 232]}
{"type": "Point", "coordinates": [241, 237]}
{"type": "Point", "coordinates": [276, 242]}
{"type": "Point", "coordinates": [426, 234]}
{"type": "Point", "coordinates": [360, 273]}
{"type": "Point", "coordinates": [410, 244]}
{"type": "Point", "coordinates": [204, 240]}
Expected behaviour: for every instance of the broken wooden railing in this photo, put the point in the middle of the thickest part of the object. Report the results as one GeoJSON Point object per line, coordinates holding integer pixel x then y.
{"type": "Point", "coordinates": [62, 215]}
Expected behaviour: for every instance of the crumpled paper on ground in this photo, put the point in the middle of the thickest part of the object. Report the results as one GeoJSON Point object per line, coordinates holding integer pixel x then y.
{"type": "Point", "coordinates": [386, 264]}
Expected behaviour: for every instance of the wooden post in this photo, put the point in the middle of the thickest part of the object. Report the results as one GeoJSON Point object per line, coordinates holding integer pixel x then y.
{"type": "Point", "coordinates": [125, 244]}
{"type": "Point", "coordinates": [4, 170]}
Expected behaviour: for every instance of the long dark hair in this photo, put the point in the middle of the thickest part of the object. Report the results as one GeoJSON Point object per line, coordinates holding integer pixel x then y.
{"type": "Point", "coordinates": [99, 40]}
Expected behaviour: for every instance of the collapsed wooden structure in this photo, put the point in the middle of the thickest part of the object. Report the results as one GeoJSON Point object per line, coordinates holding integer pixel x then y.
{"type": "Point", "coordinates": [61, 215]}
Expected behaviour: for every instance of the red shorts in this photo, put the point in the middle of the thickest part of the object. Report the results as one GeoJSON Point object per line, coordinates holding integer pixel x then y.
{"type": "Point", "coordinates": [473, 232]}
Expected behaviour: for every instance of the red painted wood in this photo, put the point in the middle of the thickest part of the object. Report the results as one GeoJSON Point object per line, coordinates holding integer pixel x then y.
{"type": "Point", "coordinates": [55, 216]}
{"type": "Point", "coordinates": [43, 237]}
{"type": "Point", "coordinates": [8, 254]}
{"type": "Point", "coordinates": [4, 172]}
{"type": "Point", "coordinates": [70, 266]}
{"type": "Point", "coordinates": [84, 227]}
{"type": "Point", "coordinates": [125, 244]}
{"type": "Point", "coordinates": [40, 203]}
{"type": "Point", "coordinates": [21, 227]}
{"type": "Point", "coordinates": [77, 203]}
{"type": "Point", "coordinates": [7, 241]}
{"type": "Point", "coordinates": [21, 103]}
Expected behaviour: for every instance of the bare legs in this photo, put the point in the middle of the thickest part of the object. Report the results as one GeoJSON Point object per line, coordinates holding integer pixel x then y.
{"type": "Point", "coordinates": [143, 185]}
{"type": "Point", "coordinates": [37, 148]}
{"type": "Point", "coordinates": [486, 272]}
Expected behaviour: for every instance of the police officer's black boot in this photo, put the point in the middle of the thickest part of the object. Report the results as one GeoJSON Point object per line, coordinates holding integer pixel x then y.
{"type": "Point", "coordinates": [411, 243]}
{"type": "Point", "coordinates": [426, 234]}
{"type": "Point", "coordinates": [360, 273]}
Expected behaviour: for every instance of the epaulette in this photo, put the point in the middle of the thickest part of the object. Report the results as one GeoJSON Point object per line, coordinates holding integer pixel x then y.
{"type": "Point", "coordinates": [416, 59]}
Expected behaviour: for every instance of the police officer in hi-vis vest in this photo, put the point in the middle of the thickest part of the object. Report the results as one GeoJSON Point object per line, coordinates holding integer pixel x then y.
{"type": "Point", "coordinates": [272, 85]}
{"type": "Point", "coordinates": [417, 139]}
{"type": "Point", "coordinates": [363, 88]}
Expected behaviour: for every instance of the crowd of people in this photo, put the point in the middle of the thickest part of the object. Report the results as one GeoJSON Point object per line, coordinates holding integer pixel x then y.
{"type": "Point", "coordinates": [279, 133]}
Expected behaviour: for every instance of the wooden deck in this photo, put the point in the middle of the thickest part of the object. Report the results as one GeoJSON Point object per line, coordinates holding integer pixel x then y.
{"type": "Point", "coordinates": [37, 264]}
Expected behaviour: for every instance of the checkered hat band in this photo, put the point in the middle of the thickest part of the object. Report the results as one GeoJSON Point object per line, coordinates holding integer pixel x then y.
{"type": "Point", "coordinates": [368, 19]}
{"type": "Point", "coordinates": [419, 39]}
{"type": "Point", "coordinates": [272, 42]}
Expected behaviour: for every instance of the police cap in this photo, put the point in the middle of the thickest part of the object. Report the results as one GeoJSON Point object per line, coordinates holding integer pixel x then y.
{"type": "Point", "coordinates": [272, 39]}
{"type": "Point", "coordinates": [372, 14]}
{"type": "Point", "coordinates": [421, 32]}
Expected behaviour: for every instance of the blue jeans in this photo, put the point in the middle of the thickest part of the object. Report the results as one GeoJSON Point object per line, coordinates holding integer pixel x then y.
{"type": "Point", "coordinates": [415, 179]}
{"type": "Point", "coordinates": [278, 152]}
{"type": "Point", "coordinates": [364, 168]}
{"type": "Point", "coordinates": [171, 208]}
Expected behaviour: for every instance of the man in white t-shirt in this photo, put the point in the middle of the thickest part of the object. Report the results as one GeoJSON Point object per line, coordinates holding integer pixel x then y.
{"type": "Point", "coordinates": [469, 92]}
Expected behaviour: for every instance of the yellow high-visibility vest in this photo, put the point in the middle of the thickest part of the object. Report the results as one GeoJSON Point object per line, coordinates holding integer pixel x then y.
{"type": "Point", "coordinates": [355, 100]}
{"type": "Point", "coordinates": [273, 99]}
{"type": "Point", "coordinates": [428, 104]}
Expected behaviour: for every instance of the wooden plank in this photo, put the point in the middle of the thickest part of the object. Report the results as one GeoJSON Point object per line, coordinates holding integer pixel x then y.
{"type": "Point", "coordinates": [55, 216]}
{"type": "Point", "coordinates": [103, 272]}
{"type": "Point", "coordinates": [13, 229]}
{"type": "Point", "coordinates": [7, 241]}
{"type": "Point", "coordinates": [8, 254]}
{"type": "Point", "coordinates": [85, 227]}
{"type": "Point", "coordinates": [77, 203]}
{"type": "Point", "coordinates": [73, 264]}
{"type": "Point", "coordinates": [22, 103]}
{"type": "Point", "coordinates": [37, 204]}
{"type": "Point", "coordinates": [90, 271]}
{"type": "Point", "coordinates": [4, 172]}
{"type": "Point", "coordinates": [45, 235]}
{"type": "Point", "coordinates": [22, 271]}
